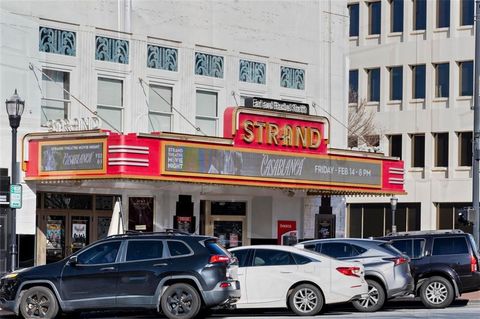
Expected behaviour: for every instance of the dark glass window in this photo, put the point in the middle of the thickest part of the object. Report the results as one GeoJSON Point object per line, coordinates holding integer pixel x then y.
{"type": "Point", "coordinates": [215, 249]}
{"type": "Point", "coordinates": [105, 253]}
{"type": "Point", "coordinates": [309, 246]}
{"type": "Point", "coordinates": [337, 250]}
{"type": "Point", "coordinates": [375, 21]}
{"type": "Point", "coordinates": [144, 249]}
{"type": "Point", "coordinates": [357, 250]}
{"type": "Point", "coordinates": [301, 260]}
{"type": "Point", "coordinates": [353, 9]}
{"type": "Point", "coordinates": [178, 248]}
{"type": "Point", "coordinates": [374, 85]}
{"type": "Point", "coordinates": [396, 83]}
{"type": "Point", "coordinates": [442, 80]}
{"type": "Point", "coordinates": [449, 246]}
{"type": "Point", "coordinates": [420, 14]}
{"type": "Point", "coordinates": [353, 86]}
{"type": "Point", "coordinates": [396, 145]}
{"type": "Point", "coordinates": [404, 246]}
{"type": "Point", "coordinates": [443, 13]}
{"type": "Point", "coordinates": [242, 256]}
{"type": "Point", "coordinates": [353, 141]}
{"type": "Point", "coordinates": [465, 148]}
{"type": "Point", "coordinates": [418, 81]}
{"type": "Point", "coordinates": [418, 146]}
{"type": "Point", "coordinates": [397, 15]}
{"type": "Point", "coordinates": [418, 248]}
{"type": "Point", "coordinates": [441, 149]}
{"type": "Point", "coordinates": [269, 257]}
{"type": "Point", "coordinates": [466, 78]}
{"type": "Point", "coordinates": [355, 221]}
{"type": "Point", "coordinates": [373, 220]}
{"type": "Point", "coordinates": [68, 201]}
{"type": "Point", "coordinates": [467, 12]}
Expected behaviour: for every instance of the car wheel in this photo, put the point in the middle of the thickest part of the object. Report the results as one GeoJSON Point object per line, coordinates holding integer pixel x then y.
{"type": "Point", "coordinates": [437, 292]}
{"type": "Point", "coordinates": [306, 300]}
{"type": "Point", "coordinates": [180, 301]}
{"type": "Point", "coordinates": [375, 299]}
{"type": "Point", "coordinates": [38, 302]}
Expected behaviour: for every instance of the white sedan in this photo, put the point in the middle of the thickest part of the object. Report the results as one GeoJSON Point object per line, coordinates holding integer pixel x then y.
{"type": "Point", "coordinates": [286, 277]}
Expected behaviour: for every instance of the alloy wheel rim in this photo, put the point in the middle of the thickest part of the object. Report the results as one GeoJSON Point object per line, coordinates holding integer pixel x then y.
{"type": "Point", "coordinates": [37, 305]}
{"type": "Point", "coordinates": [436, 292]}
{"type": "Point", "coordinates": [180, 302]}
{"type": "Point", "coordinates": [372, 299]}
{"type": "Point", "coordinates": [305, 300]}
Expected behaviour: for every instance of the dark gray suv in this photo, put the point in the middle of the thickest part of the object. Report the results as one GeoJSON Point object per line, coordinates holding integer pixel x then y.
{"type": "Point", "coordinates": [387, 270]}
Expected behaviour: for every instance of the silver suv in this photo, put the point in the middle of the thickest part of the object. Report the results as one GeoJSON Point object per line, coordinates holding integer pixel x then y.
{"type": "Point", "coordinates": [387, 270]}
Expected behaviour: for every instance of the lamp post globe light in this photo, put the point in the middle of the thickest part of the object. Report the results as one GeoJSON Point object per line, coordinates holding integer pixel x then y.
{"type": "Point", "coordinates": [15, 106]}
{"type": "Point", "coordinates": [393, 205]}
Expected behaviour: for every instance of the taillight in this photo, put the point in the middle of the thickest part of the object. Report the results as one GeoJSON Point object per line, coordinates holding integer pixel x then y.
{"type": "Point", "coordinates": [350, 271]}
{"type": "Point", "coordinates": [398, 260]}
{"type": "Point", "coordinates": [473, 264]}
{"type": "Point", "coordinates": [215, 259]}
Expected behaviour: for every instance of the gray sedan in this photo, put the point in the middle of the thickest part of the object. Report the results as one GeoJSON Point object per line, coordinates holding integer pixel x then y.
{"type": "Point", "coordinates": [387, 270]}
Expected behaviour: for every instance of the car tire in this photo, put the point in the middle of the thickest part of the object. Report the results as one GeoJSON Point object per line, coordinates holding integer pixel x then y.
{"type": "Point", "coordinates": [437, 292]}
{"type": "Point", "coordinates": [306, 300]}
{"type": "Point", "coordinates": [38, 302]}
{"type": "Point", "coordinates": [375, 300]}
{"type": "Point", "coordinates": [180, 301]}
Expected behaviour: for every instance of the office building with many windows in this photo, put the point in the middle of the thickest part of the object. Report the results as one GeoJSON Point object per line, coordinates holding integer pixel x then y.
{"type": "Point", "coordinates": [411, 63]}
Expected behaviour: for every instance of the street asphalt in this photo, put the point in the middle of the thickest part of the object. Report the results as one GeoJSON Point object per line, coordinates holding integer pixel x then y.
{"type": "Point", "coordinates": [460, 309]}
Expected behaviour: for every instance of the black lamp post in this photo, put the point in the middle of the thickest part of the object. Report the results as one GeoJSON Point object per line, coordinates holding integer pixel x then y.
{"type": "Point", "coordinates": [393, 204]}
{"type": "Point", "coordinates": [15, 106]}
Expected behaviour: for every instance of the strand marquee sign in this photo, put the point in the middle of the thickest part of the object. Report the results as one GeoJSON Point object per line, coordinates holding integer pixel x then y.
{"type": "Point", "coordinates": [260, 147]}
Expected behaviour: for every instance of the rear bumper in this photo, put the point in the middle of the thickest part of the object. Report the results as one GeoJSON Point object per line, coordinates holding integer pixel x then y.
{"type": "Point", "coordinates": [406, 288]}
{"type": "Point", "coordinates": [221, 296]}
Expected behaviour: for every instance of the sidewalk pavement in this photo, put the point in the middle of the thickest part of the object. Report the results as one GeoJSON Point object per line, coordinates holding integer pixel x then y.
{"type": "Point", "coordinates": [472, 297]}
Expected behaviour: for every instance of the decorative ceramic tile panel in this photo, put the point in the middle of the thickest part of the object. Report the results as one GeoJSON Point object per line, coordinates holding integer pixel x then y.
{"type": "Point", "coordinates": [292, 78]}
{"type": "Point", "coordinates": [252, 72]}
{"type": "Point", "coordinates": [162, 58]}
{"type": "Point", "coordinates": [57, 41]}
{"type": "Point", "coordinates": [111, 50]}
{"type": "Point", "coordinates": [209, 65]}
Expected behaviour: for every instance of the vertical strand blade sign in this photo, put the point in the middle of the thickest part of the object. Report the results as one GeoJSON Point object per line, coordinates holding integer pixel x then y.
{"type": "Point", "coordinates": [16, 196]}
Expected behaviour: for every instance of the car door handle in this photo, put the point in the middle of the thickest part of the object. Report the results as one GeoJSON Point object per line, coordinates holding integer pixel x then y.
{"type": "Point", "coordinates": [160, 265]}
{"type": "Point", "coordinates": [107, 269]}
{"type": "Point", "coordinates": [285, 272]}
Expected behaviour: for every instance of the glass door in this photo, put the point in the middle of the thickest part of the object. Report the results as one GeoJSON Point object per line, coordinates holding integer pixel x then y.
{"type": "Point", "coordinates": [230, 230]}
{"type": "Point", "coordinates": [54, 231]}
{"type": "Point", "coordinates": [80, 232]}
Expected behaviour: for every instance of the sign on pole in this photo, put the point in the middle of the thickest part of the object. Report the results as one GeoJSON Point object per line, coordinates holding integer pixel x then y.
{"type": "Point", "coordinates": [16, 196]}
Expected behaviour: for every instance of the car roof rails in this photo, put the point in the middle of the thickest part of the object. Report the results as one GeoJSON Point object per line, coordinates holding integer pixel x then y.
{"type": "Point", "coordinates": [426, 232]}
{"type": "Point", "coordinates": [168, 231]}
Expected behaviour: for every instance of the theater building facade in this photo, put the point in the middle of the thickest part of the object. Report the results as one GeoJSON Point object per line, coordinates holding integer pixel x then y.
{"type": "Point", "coordinates": [259, 183]}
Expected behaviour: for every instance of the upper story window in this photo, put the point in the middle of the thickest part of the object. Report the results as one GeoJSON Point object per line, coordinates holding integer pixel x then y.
{"type": "Point", "coordinates": [353, 86]}
{"type": "Point", "coordinates": [395, 145]}
{"type": "Point", "coordinates": [160, 108]}
{"type": "Point", "coordinates": [162, 58]}
{"type": "Point", "coordinates": [467, 9]}
{"type": "Point", "coordinates": [253, 72]}
{"type": "Point", "coordinates": [209, 65]}
{"type": "Point", "coordinates": [292, 78]}
{"type": "Point", "coordinates": [442, 75]}
{"type": "Point", "coordinates": [374, 17]}
{"type": "Point", "coordinates": [110, 103]}
{"type": "Point", "coordinates": [443, 13]}
{"type": "Point", "coordinates": [207, 112]}
{"type": "Point", "coordinates": [353, 10]}
{"type": "Point", "coordinates": [57, 41]}
{"type": "Point", "coordinates": [111, 50]}
{"type": "Point", "coordinates": [396, 83]}
{"type": "Point", "coordinates": [419, 14]}
{"type": "Point", "coordinates": [418, 81]}
{"type": "Point", "coordinates": [55, 101]}
{"type": "Point", "coordinates": [396, 15]}
{"type": "Point", "coordinates": [441, 149]}
{"type": "Point", "coordinates": [466, 78]}
{"type": "Point", "coordinates": [373, 85]}
{"type": "Point", "coordinates": [465, 148]}
{"type": "Point", "coordinates": [418, 150]}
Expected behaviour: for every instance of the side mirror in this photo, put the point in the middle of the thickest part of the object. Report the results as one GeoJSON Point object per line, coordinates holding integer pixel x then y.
{"type": "Point", "coordinates": [73, 261]}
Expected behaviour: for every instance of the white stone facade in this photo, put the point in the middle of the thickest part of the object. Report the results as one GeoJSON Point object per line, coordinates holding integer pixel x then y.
{"type": "Point", "coordinates": [431, 185]}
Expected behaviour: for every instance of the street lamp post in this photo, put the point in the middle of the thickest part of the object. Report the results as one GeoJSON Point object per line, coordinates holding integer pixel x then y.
{"type": "Point", "coordinates": [393, 204]}
{"type": "Point", "coordinates": [15, 106]}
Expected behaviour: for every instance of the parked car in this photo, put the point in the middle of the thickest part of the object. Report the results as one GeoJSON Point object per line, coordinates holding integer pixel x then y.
{"type": "Point", "coordinates": [386, 269]}
{"type": "Point", "coordinates": [287, 277]}
{"type": "Point", "coordinates": [172, 272]}
{"type": "Point", "coordinates": [444, 264]}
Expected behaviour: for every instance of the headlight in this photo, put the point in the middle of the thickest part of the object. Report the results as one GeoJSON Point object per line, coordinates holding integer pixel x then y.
{"type": "Point", "coordinates": [10, 276]}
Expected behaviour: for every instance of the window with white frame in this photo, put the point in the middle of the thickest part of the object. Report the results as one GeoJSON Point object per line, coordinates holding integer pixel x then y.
{"type": "Point", "coordinates": [160, 108]}
{"type": "Point", "coordinates": [55, 101]}
{"type": "Point", "coordinates": [207, 112]}
{"type": "Point", "coordinates": [110, 103]}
